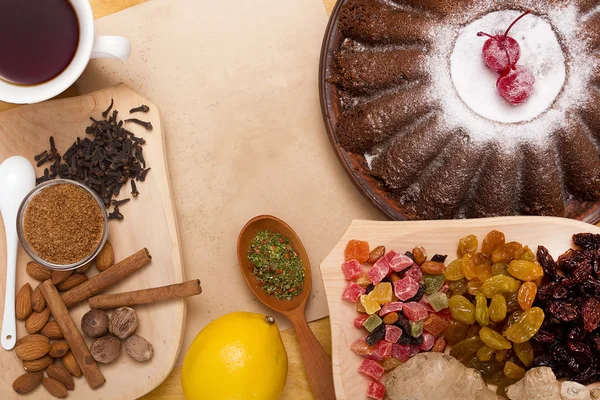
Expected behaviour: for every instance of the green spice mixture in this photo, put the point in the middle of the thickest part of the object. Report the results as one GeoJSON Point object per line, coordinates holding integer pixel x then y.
{"type": "Point", "coordinates": [277, 266]}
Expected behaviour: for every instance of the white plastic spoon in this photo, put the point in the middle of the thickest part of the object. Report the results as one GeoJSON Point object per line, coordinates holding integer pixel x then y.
{"type": "Point", "coordinates": [17, 178]}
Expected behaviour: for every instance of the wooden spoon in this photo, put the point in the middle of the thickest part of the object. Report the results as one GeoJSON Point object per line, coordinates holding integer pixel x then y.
{"type": "Point", "coordinates": [316, 361]}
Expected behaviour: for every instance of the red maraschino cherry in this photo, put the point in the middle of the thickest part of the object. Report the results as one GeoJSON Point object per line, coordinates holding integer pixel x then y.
{"type": "Point", "coordinates": [515, 85]}
{"type": "Point", "coordinates": [501, 52]}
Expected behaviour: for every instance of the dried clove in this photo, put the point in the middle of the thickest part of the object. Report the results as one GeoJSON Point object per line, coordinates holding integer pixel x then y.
{"type": "Point", "coordinates": [142, 108]}
{"type": "Point", "coordinates": [119, 203]}
{"type": "Point", "coordinates": [105, 112]}
{"type": "Point", "coordinates": [134, 191]}
{"type": "Point", "coordinates": [116, 214]}
{"type": "Point", "coordinates": [147, 125]}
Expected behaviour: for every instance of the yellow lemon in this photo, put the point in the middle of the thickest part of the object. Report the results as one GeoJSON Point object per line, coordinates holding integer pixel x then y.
{"type": "Point", "coordinates": [238, 356]}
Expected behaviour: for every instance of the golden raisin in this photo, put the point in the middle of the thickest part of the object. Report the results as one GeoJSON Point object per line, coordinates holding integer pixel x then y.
{"type": "Point", "coordinates": [433, 268]}
{"type": "Point", "coordinates": [506, 252]}
{"type": "Point", "coordinates": [480, 259]}
{"type": "Point", "coordinates": [525, 353]}
{"type": "Point", "coordinates": [485, 353]}
{"type": "Point", "coordinates": [498, 308]}
{"type": "Point", "coordinates": [454, 271]}
{"type": "Point", "coordinates": [526, 295]}
{"type": "Point", "coordinates": [492, 240]}
{"type": "Point", "coordinates": [483, 272]}
{"type": "Point", "coordinates": [466, 245]}
{"type": "Point", "coordinates": [473, 287]}
{"type": "Point", "coordinates": [513, 371]}
{"type": "Point", "coordinates": [468, 266]}
{"type": "Point", "coordinates": [376, 254]}
{"type": "Point", "coordinates": [419, 255]}
{"type": "Point", "coordinates": [525, 270]}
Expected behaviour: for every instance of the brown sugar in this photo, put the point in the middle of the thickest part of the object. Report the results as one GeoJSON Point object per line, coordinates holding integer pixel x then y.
{"type": "Point", "coordinates": [63, 224]}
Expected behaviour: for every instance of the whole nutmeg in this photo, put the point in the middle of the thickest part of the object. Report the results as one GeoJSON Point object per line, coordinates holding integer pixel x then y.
{"type": "Point", "coordinates": [139, 348]}
{"type": "Point", "coordinates": [106, 349]}
{"type": "Point", "coordinates": [123, 322]}
{"type": "Point", "coordinates": [94, 323]}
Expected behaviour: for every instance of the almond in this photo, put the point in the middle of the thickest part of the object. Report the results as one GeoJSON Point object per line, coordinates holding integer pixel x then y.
{"type": "Point", "coordinates": [36, 271]}
{"type": "Point", "coordinates": [60, 373]}
{"type": "Point", "coordinates": [58, 349]}
{"type": "Point", "coordinates": [52, 331]}
{"type": "Point", "coordinates": [60, 276]}
{"type": "Point", "coordinates": [72, 281]}
{"type": "Point", "coordinates": [106, 258]}
{"type": "Point", "coordinates": [38, 365]}
{"type": "Point", "coordinates": [36, 321]}
{"type": "Point", "coordinates": [23, 302]}
{"type": "Point", "coordinates": [83, 269]}
{"type": "Point", "coordinates": [32, 350]}
{"type": "Point", "coordinates": [27, 382]}
{"type": "Point", "coordinates": [71, 365]}
{"type": "Point", "coordinates": [55, 388]}
{"type": "Point", "coordinates": [33, 338]}
{"type": "Point", "coordinates": [38, 302]}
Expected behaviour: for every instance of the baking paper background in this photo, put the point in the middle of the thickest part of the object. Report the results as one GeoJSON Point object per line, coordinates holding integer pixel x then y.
{"type": "Point", "coordinates": [236, 82]}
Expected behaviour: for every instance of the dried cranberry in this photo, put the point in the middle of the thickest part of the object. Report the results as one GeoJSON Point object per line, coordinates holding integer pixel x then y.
{"type": "Point", "coordinates": [590, 312]}
{"type": "Point", "coordinates": [587, 240]}
{"type": "Point", "coordinates": [547, 262]}
{"type": "Point", "coordinates": [418, 340]}
{"type": "Point", "coordinates": [545, 360]}
{"type": "Point", "coordinates": [565, 261]}
{"type": "Point", "coordinates": [405, 339]}
{"type": "Point", "coordinates": [591, 287]}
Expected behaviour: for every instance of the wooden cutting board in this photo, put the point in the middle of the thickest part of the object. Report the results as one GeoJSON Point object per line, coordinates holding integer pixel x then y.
{"type": "Point", "coordinates": [149, 222]}
{"type": "Point", "coordinates": [439, 237]}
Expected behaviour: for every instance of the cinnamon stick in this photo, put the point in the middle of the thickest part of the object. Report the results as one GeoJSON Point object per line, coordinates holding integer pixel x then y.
{"type": "Point", "coordinates": [107, 278]}
{"type": "Point", "coordinates": [76, 342]}
{"type": "Point", "coordinates": [146, 296]}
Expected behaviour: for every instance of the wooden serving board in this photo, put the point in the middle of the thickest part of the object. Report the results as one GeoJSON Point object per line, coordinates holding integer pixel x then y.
{"type": "Point", "coordinates": [437, 237]}
{"type": "Point", "coordinates": [149, 222]}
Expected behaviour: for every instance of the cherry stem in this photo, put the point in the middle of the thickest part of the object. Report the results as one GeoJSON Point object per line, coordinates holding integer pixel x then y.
{"type": "Point", "coordinates": [514, 22]}
{"type": "Point", "coordinates": [485, 34]}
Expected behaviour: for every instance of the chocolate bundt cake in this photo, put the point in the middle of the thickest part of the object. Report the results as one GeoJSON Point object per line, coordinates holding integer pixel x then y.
{"type": "Point", "coordinates": [418, 102]}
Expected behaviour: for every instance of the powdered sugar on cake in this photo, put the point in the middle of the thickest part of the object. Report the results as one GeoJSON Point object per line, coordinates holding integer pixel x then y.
{"type": "Point", "coordinates": [465, 88]}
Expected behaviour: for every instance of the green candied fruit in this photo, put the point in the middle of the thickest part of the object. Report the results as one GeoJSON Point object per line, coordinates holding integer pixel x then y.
{"type": "Point", "coordinates": [500, 269]}
{"type": "Point", "coordinates": [438, 301]}
{"type": "Point", "coordinates": [433, 283]}
{"type": "Point", "coordinates": [416, 328]}
{"type": "Point", "coordinates": [372, 322]}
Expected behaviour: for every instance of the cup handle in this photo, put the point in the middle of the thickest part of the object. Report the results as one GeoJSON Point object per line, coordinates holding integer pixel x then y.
{"type": "Point", "coordinates": [111, 47]}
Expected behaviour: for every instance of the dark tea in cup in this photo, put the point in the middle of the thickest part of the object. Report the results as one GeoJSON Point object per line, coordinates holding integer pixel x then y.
{"type": "Point", "coordinates": [38, 39]}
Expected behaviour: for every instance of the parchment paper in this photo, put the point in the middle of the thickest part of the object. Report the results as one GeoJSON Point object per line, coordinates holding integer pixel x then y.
{"type": "Point", "coordinates": [236, 83]}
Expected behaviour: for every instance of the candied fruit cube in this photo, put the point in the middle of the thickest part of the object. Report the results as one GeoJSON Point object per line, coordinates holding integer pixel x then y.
{"type": "Point", "coordinates": [390, 363]}
{"type": "Point", "coordinates": [382, 293]}
{"type": "Point", "coordinates": [405, 288]}
{"type": "Point", "coordinates": [433, 283]}
{"type": "Point", "coordinates": [383, 349]}
{"type": "Point", "coordinates": [376, 390]}
{"type": "Point", "coordinates": [392, 333]}
{"type": "Point", "coordinates": [360, 347]}
{"type": "Point", "coordinates": [434, 324]}
{"type": "Point", "coordinates": [428, 341]}
{"type": "Point", "coordinates": [438, 301]}
{"type": "Point", "coordinates": [358, 321]}
{"type": "Point", "coordinates": [392, 306]}
{"type": "Point", "coordinates": [378, 271]}
{"type": "Point", "coordinates": [403, 352]}
{"type": "Point", "coordinates": [360, 308]}
{"type": "Point", "coordinates": [397, 261]}
{"type": "Point", "coordinates": [357, 249]}
{"type": "Point", "coordinates": [352, 270]}
{"type": "Point", "coordinates": [416, 328]}
{"type": "Point", "coordinates": [372, 322]}
{"type": "Point", "coordinates": [415, 273]}
{"type": "Point", "coordinates": [390, 318]}
{"type": "Point", "coordinates": [425, 303]}
{"type": "Point", "coordinates": [371, 305]}
{"type": "Point", "coordinates": [363, 280]}
{"type": "Point", "coordinates": [371, 368]}
{"type": "Point", "coordinates": [353, 292]}
{"type": "Point", "coordinates": [414, 311]}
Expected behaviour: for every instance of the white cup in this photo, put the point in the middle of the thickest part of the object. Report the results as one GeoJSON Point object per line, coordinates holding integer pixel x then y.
{"type": "Point", "coordinates": [89, 47]}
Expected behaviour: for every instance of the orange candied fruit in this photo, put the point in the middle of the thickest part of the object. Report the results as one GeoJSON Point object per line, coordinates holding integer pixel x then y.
{"type": "Point", "coordinates": [358, 250]}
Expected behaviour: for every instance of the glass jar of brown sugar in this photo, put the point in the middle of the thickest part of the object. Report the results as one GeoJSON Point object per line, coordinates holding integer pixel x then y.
{"type": "Point", "coordinates": [62, 224]}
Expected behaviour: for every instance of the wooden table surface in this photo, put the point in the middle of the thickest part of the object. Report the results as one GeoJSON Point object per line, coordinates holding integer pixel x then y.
{"type": "Point", "coordinates": [297, 387]}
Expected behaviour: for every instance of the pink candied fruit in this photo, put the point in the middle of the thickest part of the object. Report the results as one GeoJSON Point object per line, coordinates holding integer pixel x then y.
{"type": "Point", "coordinates": [352, 270]}
{"type": "Point", "coordinates": [358, 321]}
{"type": "Point", "coordinates": [376, 390]}
{"type": "Point", "coordinates": [403, 352]}
{"type": "Point", "coordinates": [424, 302]}
{"type": "Point", "coordinates": [360, 347]}
{"type": "Point", "coordinates": [371, 368]}
{"type": "Point", "coordinates": [414, 311]}
{"type": "Point", "coordinates": [397, 261]}
{"type": "Point", "coordinates": [392, 333]}
{"type": "Point", "coordinates": [353, 292]}
{"type": "Point", "coordinates": [392, 306]}
{"type": "Point", "coordinates": [428, 340]}
{"type": "Point", "coordinates": [383, 349]}
{"type": "Point", "coordinates": [405, 288]}
{"type": "Point", "coordinates": [415, 273]}
{"type": "Point", "coordinates": [378, 271]}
